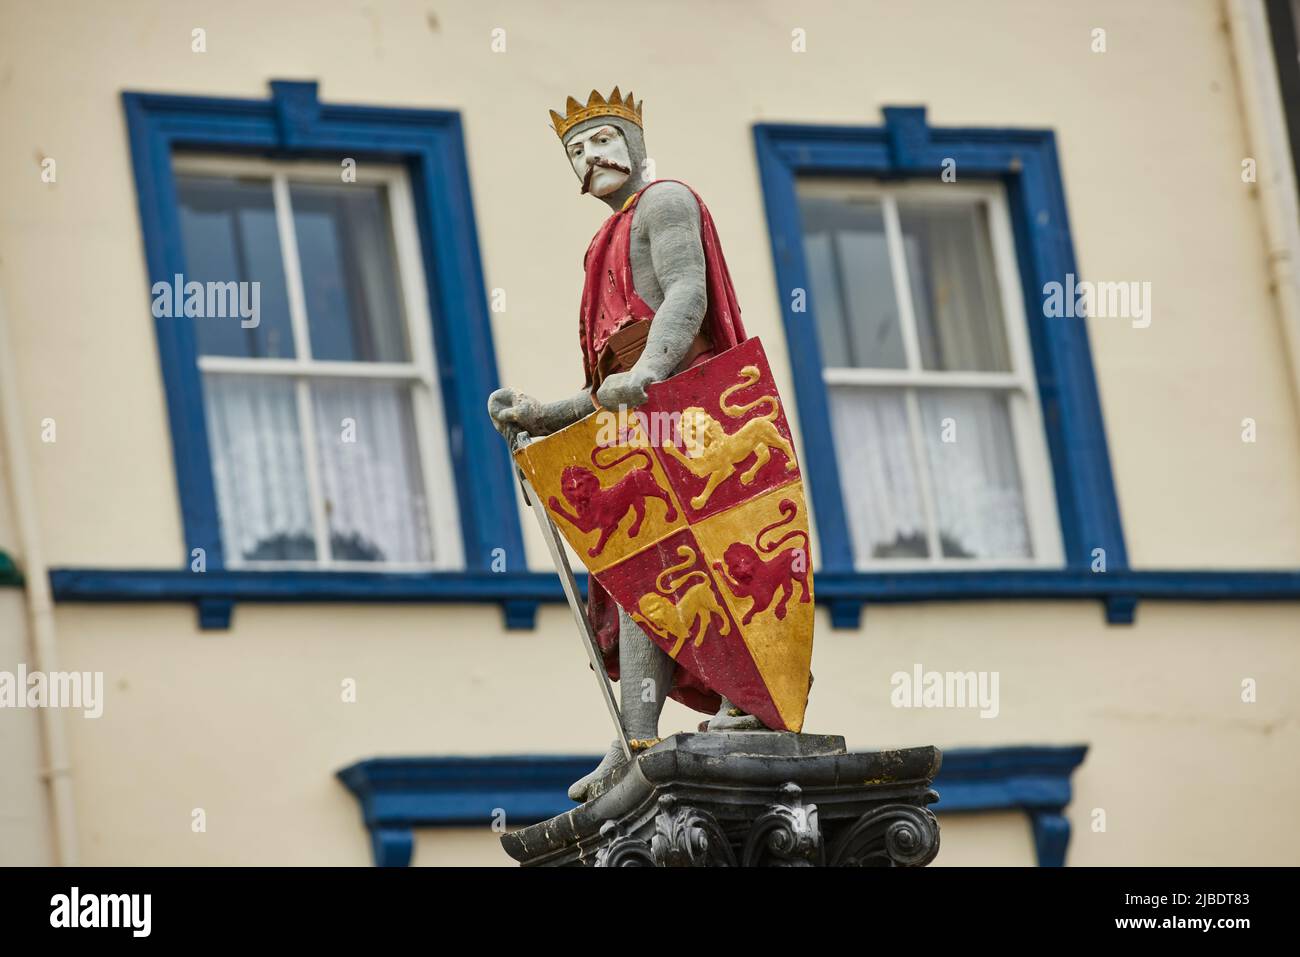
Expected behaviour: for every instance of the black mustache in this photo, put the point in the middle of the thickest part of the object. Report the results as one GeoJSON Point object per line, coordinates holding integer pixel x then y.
{"type": "Point", "coordinates": [599, 164]}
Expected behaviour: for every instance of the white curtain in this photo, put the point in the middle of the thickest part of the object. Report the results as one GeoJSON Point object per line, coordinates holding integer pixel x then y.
{"type": "Point", "coordinates": [974, 480]}
{"type": "Point", "coordinates": [975, 477]}
{"type": "Point", "coordinates": [370, 474]}
{"type": "Point", "coordinates": [257, 465]}
{"type": "Point", "coordinates": [882, 493]}
{"type": "Point", "coordinates": [370, 471]}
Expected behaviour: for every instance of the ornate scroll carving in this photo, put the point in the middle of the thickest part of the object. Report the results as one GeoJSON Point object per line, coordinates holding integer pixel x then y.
{"type": "Point", "coordinates": [622, 849]}
{"type": "Point", "coordinates": [896, 835]}
{"type": "Point", "coordinates": [787, 835]}
{"type": "Point", "coordinates": [688, 837]}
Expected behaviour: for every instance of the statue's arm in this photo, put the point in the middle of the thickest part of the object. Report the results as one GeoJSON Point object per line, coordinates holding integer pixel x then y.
{"type": "Point", "coordinates": [553, 416]}
{"type": "Point", "coordinates": [513, 412]}
{"type": "Point", "coordinates": [671, 219]}
{"type": "Point", "coordinates": [670, 216]}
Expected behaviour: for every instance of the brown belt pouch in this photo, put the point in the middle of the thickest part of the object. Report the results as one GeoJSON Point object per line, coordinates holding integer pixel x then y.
{"type": "Point", "coordinates": [624, 347]}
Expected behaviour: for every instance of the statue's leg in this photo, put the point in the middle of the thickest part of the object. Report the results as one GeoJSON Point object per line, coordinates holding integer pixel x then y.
{"type": "Point", "coordinates": [731, 718]}
{"type": "Point", "coordinates": [645, 678]}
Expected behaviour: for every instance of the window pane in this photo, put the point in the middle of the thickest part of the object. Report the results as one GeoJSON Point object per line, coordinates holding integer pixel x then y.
{"type": "Point", "coordinates": [852, 287]}
{"type": "Point", "coordinates": [882, 494]}
{"type": "Point", "coordinates": [349, 272]}
{"type": "Point", "coordinates": [229, 234]}
{"type": "Point", "coordinates": [258, 468]}
{"type": "Point", "coordinates": [975, 477]}
{"type": "Point", "coordinates": [370, 472]}
{"type": "Point", "coordinates": [954, 287]}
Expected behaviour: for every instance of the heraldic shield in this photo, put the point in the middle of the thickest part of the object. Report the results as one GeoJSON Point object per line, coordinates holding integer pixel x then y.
{"type": "Point", "coordinates": [690, 511]}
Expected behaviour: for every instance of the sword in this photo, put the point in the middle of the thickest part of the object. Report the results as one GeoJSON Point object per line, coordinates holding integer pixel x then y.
{"type": "Point", "coordinates": [570, 585]}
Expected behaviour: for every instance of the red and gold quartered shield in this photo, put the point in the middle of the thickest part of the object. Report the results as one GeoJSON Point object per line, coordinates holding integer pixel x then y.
{"type": "Point", "coordinates": [690, 511]}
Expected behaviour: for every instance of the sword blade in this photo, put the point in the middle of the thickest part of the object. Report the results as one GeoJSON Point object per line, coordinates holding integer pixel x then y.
{"type": "Point", "coordinates": [555, 544]}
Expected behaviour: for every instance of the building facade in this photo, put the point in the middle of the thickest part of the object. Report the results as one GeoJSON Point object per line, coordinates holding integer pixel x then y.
{"type": "Point", "coordinates": [1024, 274]}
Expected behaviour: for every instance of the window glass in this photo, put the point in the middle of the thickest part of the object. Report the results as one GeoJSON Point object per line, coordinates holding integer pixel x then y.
{"type": "Point", "coordinates": [852, 288]}
{"type": "Point", "coordinates": [228, 228]}
{"type": "Point", "coordinates": [312, 463]}
{"type": "Point", "coordinates": [929, 467]}
{"type": "Point", "coordinates": [959, 321]}
{"type": "Point", "coordinates": [349, 272]}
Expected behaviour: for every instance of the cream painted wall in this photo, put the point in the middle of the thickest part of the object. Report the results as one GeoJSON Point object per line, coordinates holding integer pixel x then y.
{"type": "Point", "coordinates": [249, 724]}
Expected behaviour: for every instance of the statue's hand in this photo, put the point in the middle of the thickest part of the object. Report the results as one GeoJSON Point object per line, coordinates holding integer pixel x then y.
{"type": "Point", "coordinates": [508, 407]}
{"type": "Point", "coordinates": [625, 388]}
{"type": "Point", "coordinates": [514, 412]}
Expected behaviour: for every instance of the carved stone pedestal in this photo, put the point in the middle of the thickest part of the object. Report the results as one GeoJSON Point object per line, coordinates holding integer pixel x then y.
{"type": "Point", "coordinates": [752, 799]}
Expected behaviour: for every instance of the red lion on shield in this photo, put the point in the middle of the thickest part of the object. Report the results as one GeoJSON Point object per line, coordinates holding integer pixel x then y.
{"type": "Point", "coordinates": [748, 575]}
{"type": "Point", "coordinates": [604, 508]}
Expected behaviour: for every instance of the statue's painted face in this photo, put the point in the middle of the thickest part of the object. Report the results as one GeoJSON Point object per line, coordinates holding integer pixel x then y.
{"type": "Point", "coordinates": [599, 156]}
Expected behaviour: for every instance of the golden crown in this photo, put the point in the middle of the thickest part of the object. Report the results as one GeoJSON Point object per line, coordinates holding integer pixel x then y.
{"type": "Point", "coordinates": [597, 105]}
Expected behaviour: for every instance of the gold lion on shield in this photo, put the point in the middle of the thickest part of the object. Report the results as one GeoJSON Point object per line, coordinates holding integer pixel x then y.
{"type": "Point", "coordinates": [696, 609]}
{"type": "Point", "coordinates": [713, 453]}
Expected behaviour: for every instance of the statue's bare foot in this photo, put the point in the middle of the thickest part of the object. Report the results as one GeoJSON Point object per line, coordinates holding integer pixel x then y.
{"type": "Point", "coordinates": [731, 718]}
{"type": "Point", "coordinates": [613, 760]}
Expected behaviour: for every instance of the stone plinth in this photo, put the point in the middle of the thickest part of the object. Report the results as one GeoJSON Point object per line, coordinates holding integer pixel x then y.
{"type": "Point", "coordinates": [749, 799]}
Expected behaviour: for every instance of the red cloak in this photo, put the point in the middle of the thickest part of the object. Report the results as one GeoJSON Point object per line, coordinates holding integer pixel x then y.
{"type": "Point", "coordinates": [610, 302]}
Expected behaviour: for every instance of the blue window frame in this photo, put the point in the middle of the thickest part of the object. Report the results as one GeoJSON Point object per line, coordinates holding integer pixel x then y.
{"type": "Point", "coordinates": [293, 124]}
{"type": "Point", "coordinates": [1025, 162]}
